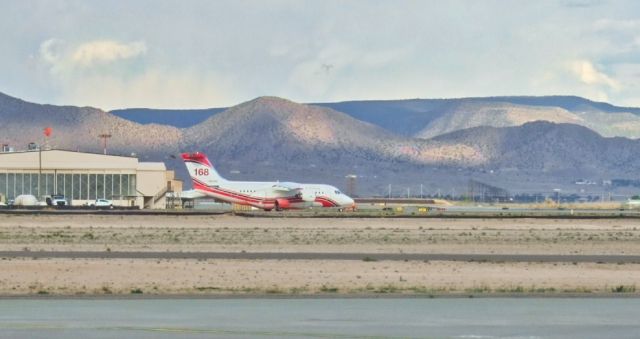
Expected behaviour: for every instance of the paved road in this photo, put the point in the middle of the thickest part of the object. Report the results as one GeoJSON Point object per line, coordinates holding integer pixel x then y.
{"type": "Point", "coordinates": [325, 256]}
{"type": "Point", "coordinates": [466, 212]}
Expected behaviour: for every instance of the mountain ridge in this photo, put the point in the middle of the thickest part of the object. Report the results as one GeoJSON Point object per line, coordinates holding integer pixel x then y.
{"type": "Point", "coordinates": [425, 118]}
{"type": "Point", "coordinates": [273, 138]}
{"type": "Point", "coordinates": [77, 128]}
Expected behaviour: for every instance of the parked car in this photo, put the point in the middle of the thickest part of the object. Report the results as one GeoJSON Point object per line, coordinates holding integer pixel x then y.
{"type": "Point", "coordinates": [102, 203]}
{"type": "Point", "coordinates": [56, 200]}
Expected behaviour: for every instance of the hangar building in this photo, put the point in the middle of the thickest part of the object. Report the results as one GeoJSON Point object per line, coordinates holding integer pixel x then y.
{"type": "Point", "coordinates": [85, 177]}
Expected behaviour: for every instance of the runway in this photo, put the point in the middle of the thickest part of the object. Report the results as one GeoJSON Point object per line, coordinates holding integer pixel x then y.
{"type": "Point", "coordinates": [621, 259]}
{"type": "Point", "coordinates": [455, 212]}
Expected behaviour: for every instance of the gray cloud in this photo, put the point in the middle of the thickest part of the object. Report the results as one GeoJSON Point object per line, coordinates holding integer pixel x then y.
{"type": "Point", "coordinates": [581, 3]}
{"type": "Point", "coordinates": [204, 54]}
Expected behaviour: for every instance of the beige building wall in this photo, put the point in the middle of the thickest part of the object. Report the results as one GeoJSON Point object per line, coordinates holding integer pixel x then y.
{"type": "Point", "coordinates": [152, 185]}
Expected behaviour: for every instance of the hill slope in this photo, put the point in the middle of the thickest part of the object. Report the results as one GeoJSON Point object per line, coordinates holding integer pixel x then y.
{"type": "Point", "coordinates": [548, 147]}
{"type": "Point", "coordinates": [279, 132]}
{"type": "Point", "coordinates": [77, 128]}
{"type": "Point", "coordinates": [272, 138]}
{"type": "Point", "coordinates": [425, 118]}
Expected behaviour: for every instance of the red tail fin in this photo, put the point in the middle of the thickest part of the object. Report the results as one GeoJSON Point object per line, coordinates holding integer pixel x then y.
{"type": "Point", "coordinates": [197, 157]}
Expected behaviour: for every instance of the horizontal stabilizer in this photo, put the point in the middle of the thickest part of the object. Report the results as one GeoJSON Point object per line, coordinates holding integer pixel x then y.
{"type": "Point", "coordinates": [191, 194]}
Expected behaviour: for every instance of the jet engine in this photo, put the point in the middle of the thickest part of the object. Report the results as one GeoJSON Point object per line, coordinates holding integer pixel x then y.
{"type": "Point", "coordinates": [282, 204]}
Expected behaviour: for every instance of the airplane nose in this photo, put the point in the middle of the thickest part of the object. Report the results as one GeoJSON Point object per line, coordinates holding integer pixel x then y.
{"type": "Point", "coordinates": [350, 203]}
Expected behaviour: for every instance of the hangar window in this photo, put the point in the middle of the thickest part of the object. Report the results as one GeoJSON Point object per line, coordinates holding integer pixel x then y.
{"type": "Point", "coordinates": [58, 186]}
{"type": "Point", "coordinates": [68, 185]}
{"type": "Point", "coordinates": [92, 186]}
{"type": "Point", "coordinates": [108, 186]}
{"type": "Point", "coordinates": [31, 184]}
{"type": "Point", "coordinates": [132, 184]}
{"type": "Point", "coordinates": [84, 186]}
{"type": "Point", "coordinates": [3, 184]}
{"type": "Point", "coordinates": [76, 187]}
{"type": "Point", "coordinates": [125, 184]}
{"type": "Point", "coordinates": [116, 185]}
{"type": "Point", "coordinates": [11, 185]}
{"type": "Point", "coordinates": [100, 186]}
{"type": "Point", "coordinates": [49, 184]}
{"type": "Point", "coordinates": [72, 186]}
{"type": "Point", "coordinates": [19, 184]}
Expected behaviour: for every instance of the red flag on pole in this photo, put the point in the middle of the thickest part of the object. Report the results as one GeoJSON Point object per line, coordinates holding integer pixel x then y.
{"type": "Point", "coordinates": [47, 131]}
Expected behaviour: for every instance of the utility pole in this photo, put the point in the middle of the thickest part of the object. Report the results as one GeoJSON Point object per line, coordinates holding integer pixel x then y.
{"type": "Point", "coordinates": [421, 197]}
{"type": "Point", "coordinates": [389, 191]}
{"type": "Point", "coordinates": [104, 137]}
{"type": "Point", "coordinates": [408, 192]}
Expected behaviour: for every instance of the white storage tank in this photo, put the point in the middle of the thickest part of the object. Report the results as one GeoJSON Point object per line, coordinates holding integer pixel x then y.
{"type": "Point", "coordinates": [26, 200]}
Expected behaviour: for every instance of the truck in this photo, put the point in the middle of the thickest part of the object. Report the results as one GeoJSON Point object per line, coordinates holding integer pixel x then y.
{"type": "Point", "coordinates": [56, 200]}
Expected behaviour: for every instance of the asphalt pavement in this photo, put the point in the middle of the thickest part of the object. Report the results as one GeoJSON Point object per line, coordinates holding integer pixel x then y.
{"type": "Point", "coordinates": [326, 256]}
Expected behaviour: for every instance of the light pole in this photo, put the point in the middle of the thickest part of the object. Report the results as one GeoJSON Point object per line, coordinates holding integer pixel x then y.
{"type": "Point", "coordinates": [39, 169]}
{"type": "Point", "coordinates": [104, 137]}
{"type": "Point", "coordinates": [47, 133]}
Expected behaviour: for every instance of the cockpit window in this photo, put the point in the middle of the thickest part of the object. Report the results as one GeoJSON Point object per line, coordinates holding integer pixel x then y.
{"type": "Point", "coordinates": [338, 192]}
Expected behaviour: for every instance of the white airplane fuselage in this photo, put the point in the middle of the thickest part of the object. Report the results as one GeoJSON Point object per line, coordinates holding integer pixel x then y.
{"type": "Point", "coordinates": [265, 195]}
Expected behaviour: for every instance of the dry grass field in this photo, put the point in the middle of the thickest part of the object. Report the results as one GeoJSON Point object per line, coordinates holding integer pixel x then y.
{"type": "Point", "coordinates": [234, 234]}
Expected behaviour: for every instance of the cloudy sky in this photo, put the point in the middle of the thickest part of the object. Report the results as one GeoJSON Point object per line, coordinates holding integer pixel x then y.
{"type": "Point", "coordinates": [194, 54]}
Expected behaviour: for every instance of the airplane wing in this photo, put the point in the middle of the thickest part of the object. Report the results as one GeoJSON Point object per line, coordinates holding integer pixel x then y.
{"type": "Point", "coordinates": [287, 186]}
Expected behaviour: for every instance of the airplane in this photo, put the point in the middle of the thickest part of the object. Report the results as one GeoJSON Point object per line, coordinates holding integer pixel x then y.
{"type": "Point", "coordinates": [263, 195]}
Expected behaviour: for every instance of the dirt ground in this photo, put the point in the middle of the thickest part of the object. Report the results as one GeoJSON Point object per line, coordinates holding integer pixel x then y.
{"type": "Point", "coordinates": [229, 233]}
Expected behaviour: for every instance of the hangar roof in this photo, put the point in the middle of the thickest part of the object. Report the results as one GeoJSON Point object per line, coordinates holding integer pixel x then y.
{"type": "Point", "coordinates": [64, 159]}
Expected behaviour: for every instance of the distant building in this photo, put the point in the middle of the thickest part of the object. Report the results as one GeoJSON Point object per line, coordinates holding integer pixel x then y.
{"type": "Point", "coordinates": [585, 182]}
{"type": "Point", "coordinates": [85, 177]}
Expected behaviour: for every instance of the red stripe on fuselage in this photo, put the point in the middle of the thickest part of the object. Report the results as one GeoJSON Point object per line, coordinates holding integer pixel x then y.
{"type": "Point", "coordinates": [230, 194]}
{"type": "Point", "coordinates": [257, 201]}
{"type": "Point", "coordinates": [326, 202]}
{"type": "Point", "coordinates": [254, 201]}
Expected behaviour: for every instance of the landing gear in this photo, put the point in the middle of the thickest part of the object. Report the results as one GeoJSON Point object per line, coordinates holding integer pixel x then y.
{"type": "Point", "coordinates": [278, 207]}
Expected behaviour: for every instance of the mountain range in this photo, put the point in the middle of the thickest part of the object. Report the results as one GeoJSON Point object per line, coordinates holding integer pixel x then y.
{"type": "Point", "coordinates": [524, 144]}
{"type": "Point", "coordinates": [426, 118]}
